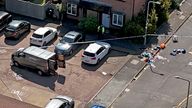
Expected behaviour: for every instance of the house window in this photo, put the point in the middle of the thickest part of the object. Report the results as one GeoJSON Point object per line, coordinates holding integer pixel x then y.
{"type": "Point", "coordinates": [71, 9]}
{"type": "Point", "coordinates": [117, 20]}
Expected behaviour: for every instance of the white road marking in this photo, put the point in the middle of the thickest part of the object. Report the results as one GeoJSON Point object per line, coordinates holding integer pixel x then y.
{"type": "Point", "coordinates": [18, 93]}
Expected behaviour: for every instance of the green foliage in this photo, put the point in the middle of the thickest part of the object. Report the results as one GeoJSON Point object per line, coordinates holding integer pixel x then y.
{"type": "Point", "coordinates": [140, 18]}
{"type": "Point", "coordinates": [131, 28]}
{"type": "Point", "coordinates": [88, 24]}
{"type": "Point", "coordinates": [163, 11]}
{"type": "Point", "coordinates": [175, 4]}
{"type": "Point", "coordinates": [152, 25]}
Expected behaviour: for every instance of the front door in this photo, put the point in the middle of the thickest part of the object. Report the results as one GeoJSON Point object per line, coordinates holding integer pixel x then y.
{"type": "Point", "coordinates": [105, 20]}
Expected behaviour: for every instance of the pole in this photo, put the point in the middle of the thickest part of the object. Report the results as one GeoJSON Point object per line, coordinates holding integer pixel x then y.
{"type": "Point", "coordinates": [146, 23]}
{"type": "Point", "coordinates": [188, 90]}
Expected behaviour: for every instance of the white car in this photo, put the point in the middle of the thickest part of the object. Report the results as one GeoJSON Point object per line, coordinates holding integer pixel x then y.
{"type": "Point", "coordinates": [95, 52]}
{"type": "Point", "coordinates": [43, 35]}
{"type": "Point", "coordinates": [61, 102]}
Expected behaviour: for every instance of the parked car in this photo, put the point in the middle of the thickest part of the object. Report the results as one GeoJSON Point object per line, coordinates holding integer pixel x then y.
{"type": "Point", "coordinates": [65, 46]}
{"type": "Point", "coordinates": [17, 28]}
{"type": "Point", "coordinates": [45, 62]}
{"type": "Point", "coordinates": [97, 106]}
{"type": "Point", "coordinates": [95, 52]}
{"type": "Point", "coordinates": [61, 102]}
{"type": "Point", "coordinates": [42, 36]}
{"type": "Point", "coordinates": [5, 18]}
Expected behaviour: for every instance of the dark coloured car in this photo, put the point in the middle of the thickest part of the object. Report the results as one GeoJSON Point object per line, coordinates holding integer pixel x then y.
{"type": "Point", "coordinates": [17, 28]}
{"type": "Point", "coordinates": [67, 44]}
{"type": "Point", "coordinates": [5, 18]}
{"type": "Point", "coordinates": [97, 106]}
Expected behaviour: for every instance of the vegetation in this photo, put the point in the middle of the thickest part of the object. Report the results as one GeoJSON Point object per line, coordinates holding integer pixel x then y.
{"type": "Point", "coordinates": [88, 24]}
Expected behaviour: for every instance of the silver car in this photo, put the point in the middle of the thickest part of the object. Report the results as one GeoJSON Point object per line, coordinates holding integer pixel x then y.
{"type": "Point", "coordinates": [66, 45]}
{"type": "Point", "coordinates": [61, 102]}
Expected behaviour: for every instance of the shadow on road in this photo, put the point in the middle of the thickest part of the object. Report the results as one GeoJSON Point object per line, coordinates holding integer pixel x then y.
{"type": "Point", "coordinates": [12, 42]}
{"type": "Point", "coordinates": [31, 75]}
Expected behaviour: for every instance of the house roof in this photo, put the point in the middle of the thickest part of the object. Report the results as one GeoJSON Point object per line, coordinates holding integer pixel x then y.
{"type": "Point", "coordinates": [95, 5]}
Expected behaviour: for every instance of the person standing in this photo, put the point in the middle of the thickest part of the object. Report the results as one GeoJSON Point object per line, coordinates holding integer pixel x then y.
{"type": "Point", "coordinates": [100, 31]}
{"type": "Point", "coordinates": [61, 10]}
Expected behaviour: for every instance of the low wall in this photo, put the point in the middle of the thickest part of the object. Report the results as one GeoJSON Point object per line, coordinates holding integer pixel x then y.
{"type": "Point", "coordinates": [27, 8]}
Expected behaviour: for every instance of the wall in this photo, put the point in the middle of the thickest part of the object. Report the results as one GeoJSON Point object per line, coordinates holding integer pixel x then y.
{"type": "Point", "coordinates": [27, 8]}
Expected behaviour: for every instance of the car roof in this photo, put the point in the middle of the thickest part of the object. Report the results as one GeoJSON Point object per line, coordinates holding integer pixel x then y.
{"type": "Point", "coordinates": [2, 13]}
{"type": "Point", "coordinates": [38, 52]}
{"type": "Point", "coordinates": [54, 103]}
{"type": "Point", "coordinates": [16, 23]}
{"type": "Point", "coordinates": [72, 34]}
{"type": "Point", "coordinates": [93, 48]}
{"type": "Point", "coordinates": [41, 31]}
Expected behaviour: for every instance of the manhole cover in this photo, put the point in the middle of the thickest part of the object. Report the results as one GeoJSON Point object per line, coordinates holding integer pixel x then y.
{"type": "Point", "coordinates": [135, 62]}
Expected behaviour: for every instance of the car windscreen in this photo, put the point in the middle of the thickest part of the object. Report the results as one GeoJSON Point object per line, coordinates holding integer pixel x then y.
{"type": "Point", "coordinates": [89, 54]}
{"type": "Point", "coordinates": [37, 36]}
{"type": "Point", "coordinates": [66, 39]}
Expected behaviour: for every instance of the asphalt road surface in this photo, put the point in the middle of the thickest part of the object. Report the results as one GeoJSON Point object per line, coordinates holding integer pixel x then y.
{"type": "Point", "coordinates": [157, 87]}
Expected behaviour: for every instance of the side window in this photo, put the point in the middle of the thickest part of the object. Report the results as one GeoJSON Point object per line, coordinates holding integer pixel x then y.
{"type": "Point", "coordinates": [100, 50]}
{"type": "Point", "coordinates": [21, 25]}
{"type": "Point", "coordinates": [77, 38]}
{"type": "Point", "coordinates": [64, 105]}
{"type": "Point", "coordinates": [47, 33]}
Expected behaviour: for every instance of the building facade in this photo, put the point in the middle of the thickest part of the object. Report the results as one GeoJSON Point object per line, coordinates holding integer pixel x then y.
{"type": "Point", "coordinates": [110, 13]}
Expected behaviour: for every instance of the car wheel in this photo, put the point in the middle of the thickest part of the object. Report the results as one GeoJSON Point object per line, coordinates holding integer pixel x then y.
{"type": "Point", "coordinates": [28, 28]}
{"type": "Point", "coordinates": [16, 64]}
{"type": "Point", "coordinates": [98, 61]}
{"type": "Point", "coordinates": [71, 52]}
{"type": "Point", "coordinates": [44, 43]}
{"type": "Point", "coordinates": [40, 72]}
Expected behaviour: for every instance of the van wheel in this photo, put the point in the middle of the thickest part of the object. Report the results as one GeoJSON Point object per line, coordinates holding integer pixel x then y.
{"type": "Point", "coordinates": [40, 72]}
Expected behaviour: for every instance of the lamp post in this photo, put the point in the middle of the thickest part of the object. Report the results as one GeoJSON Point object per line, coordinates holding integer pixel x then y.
{"type": "Point", "coordinates": [181, 78]}
{"type": "Point", "coordinates": [145, 35]}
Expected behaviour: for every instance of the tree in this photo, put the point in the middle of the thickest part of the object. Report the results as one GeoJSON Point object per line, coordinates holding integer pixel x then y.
{"type": "Point", "coordinates": [163, 11]}
{"type": "Point", "coordinates": [89, 24]}
{"type": "Point", "coordinates": [152, 26]}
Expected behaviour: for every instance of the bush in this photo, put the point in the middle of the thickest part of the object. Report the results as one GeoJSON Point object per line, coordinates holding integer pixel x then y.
{"type": "Point", "coordinates": [88, 25]}
{"type": "Point", "coordinates": [175, 4]}
{"type": "Point", "coordinates": [131, 28]}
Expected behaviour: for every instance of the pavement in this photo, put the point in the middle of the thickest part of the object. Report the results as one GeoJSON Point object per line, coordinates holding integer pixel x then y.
{"type": "Point", "coordinates": [131, 70]}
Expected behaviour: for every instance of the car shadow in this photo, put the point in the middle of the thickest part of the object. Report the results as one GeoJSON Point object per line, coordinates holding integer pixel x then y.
{"type": "Point", "coordinates": [45, 81]}
{"type": "Point", "coordinates": [67, 57]}
{"type": "Point", "coordinates": [12, 41]}
{"type": "Point", "coordinates": [112, 53]}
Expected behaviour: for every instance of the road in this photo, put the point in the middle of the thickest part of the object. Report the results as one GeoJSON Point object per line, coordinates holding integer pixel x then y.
{"type": "Point", "coordinates": [152, 90]}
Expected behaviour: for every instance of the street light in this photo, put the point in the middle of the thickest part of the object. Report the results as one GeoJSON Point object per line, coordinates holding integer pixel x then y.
{"type": "Point", "coordinates": [145, 35]}
{"type": "Point", "coordinates": [178, 77]}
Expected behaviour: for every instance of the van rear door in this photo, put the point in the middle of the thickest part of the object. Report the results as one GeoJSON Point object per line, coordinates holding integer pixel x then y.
{"type": "Point", "coordinates": [52, 64]}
